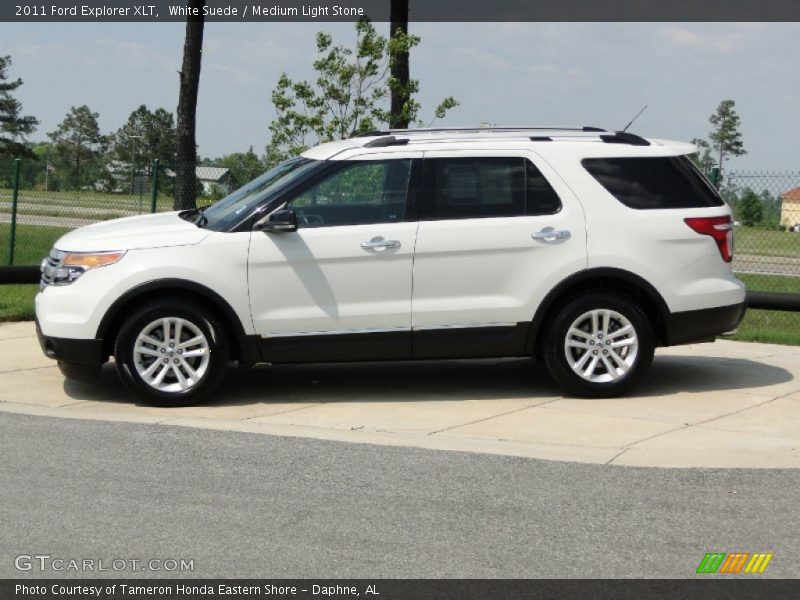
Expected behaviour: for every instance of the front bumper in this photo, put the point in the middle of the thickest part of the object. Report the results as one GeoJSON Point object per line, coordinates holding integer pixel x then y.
{"type": "Point", "coordinates": [81, 352]}
{"type": "Point", "coordinates": [703, 325]}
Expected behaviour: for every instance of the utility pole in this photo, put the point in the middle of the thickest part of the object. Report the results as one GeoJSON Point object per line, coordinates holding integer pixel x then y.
{"type": "Point", "coordinates": [47, 170]}
{"type": "Point", "coordinates": [133, 161]}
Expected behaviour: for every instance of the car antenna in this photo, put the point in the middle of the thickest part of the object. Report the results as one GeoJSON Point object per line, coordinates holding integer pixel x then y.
{"type": "Point", "coordinates": [634, 118]}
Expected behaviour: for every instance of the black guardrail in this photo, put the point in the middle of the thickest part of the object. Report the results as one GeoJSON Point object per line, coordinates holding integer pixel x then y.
{"type": "Point", "coordinates": [20, 274]}
{"type": "Point", "coordinates": [773, 301]}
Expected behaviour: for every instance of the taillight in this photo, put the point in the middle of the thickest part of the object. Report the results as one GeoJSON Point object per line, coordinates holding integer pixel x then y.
{"type": "Point", "coordinates": [719, 228]}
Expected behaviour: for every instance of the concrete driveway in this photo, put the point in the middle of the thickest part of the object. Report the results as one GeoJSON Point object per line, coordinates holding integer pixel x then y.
{"type": "Point", "coordinates": [727, 404]}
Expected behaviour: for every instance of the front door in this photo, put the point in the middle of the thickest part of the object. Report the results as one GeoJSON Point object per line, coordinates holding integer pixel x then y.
{"type": "Point", "coordinates": [339, 288]}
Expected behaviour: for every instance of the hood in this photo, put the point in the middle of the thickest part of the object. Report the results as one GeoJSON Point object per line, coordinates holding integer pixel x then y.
{"type": "Point", "coordinates": [131, 233]}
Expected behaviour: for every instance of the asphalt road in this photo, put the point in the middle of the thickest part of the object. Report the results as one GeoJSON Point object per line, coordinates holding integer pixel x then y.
{"type": "Point", "coordinates": [244, 505]}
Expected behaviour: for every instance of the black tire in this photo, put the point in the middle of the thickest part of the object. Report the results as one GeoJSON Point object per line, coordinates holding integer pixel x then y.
{"type": "Point", "coordinates": [557, 357]}
{"type": "Point", "coordinates": [76, 372]}
{"type": "Point", "coordinates": [204, 321]}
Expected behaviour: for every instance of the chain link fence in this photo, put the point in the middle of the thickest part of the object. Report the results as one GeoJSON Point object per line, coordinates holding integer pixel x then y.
{"type": "Point", "coordinates": [766, 207]}
{"type": "Point", "coordinates": [39, 202]}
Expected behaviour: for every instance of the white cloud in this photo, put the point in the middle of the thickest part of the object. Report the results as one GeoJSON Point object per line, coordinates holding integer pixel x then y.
{"type": "Point", "coordinates": [706, 41]}
{"type": "Point", "coordinates": [483, 58]}
{"type": "Point", "coordinates": [543, 69]}
{"type": "Point", "coordinates": [532, 73]}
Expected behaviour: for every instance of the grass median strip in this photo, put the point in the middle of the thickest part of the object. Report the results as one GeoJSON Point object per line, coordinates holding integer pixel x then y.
{"type": "Point", "coordinates": [16, 302]}
{"type": "Point", "coordinates": [750, 240]}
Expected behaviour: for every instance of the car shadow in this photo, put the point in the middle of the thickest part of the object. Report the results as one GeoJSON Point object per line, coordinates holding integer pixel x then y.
{"type": "Point", "coordinates": [456, 380]}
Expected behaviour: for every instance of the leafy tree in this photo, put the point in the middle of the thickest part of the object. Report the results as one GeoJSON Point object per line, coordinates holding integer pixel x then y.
{"type": "Point", "coordinates": [146, 136]}
{"type": "Point", "coordinates": [78, 144]}
{"type": "Point", "coordinates": [244, 166]}
{"type": "Point", "coordinates": [185, 180]}
{"type": "Point", "coordinates": [771, 210]}
{"type": "Point", "coordinates": [347, 98]}
{"type": "Point", "coordinates": [29, 170]}
{"type": "Point", "coordinates": [751, 211]}
{"type": "Point", "coordinates": [725, 136]}
{"type": "Point", "coordinates": [13, 125]}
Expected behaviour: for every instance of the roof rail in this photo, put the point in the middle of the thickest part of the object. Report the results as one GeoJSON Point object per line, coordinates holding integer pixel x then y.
{"type": "Point", "coordinates": [388, 138]}
{"type": "Point", "coordinates": [384, 132]}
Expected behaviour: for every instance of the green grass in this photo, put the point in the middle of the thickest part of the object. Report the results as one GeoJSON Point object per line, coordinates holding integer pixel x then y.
{"type": "Point", "coordinates": [771, 283]}
{"type": "Point", "coordinates": [749, 240]}
{"type": "Point", "coordinates": [33, 242]}
{"type": "Point", "coordinates": [16, 302]}
{"type": "Point", "coordinates": [770, 326]}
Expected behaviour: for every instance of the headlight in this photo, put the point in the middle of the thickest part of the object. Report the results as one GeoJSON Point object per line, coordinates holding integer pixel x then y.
{"type": "Point", "coordinates": [62, 268]}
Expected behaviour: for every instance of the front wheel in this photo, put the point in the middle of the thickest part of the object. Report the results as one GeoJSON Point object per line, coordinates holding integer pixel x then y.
{"type": "Point", "coordinates": [172, 352]}
{"type": "Point", "coordinates": [599, 345]}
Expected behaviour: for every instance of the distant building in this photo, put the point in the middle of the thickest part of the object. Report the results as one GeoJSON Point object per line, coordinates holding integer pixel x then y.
{"type": "Point", "coordinates": [790, 207]}
{"type": "Point", "coordinates": [214, 177]}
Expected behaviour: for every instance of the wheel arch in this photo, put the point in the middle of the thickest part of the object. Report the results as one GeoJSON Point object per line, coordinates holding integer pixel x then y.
{"type": "Point", "coordinates": [242, 346]}
{"type": "Point", "coordinates": [600, 279]}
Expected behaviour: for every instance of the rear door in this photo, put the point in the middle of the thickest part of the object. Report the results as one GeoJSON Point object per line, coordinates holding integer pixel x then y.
{"type": "Point", "coordinates": [498, 230]}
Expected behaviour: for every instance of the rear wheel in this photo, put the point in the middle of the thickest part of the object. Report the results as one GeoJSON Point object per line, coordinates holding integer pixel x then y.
{"type": "Point", "coordinates": [172, 353]}
{"type": "Point", "coordinates": [599, 345]}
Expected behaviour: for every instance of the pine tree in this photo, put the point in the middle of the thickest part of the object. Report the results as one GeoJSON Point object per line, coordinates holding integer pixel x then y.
{"type": "Point", "coordinates": [78, 144]}
{"type": "Point", "coordinates": [726, 137]}
{"type": "Point", "coordinates": [13, 126]}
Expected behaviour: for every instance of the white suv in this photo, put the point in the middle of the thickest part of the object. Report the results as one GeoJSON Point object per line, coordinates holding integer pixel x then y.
{"type": "Point", "coordinates": [583, 247]}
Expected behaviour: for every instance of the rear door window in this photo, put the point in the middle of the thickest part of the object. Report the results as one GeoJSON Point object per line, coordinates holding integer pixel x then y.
{"type": "Point", "coordinates": [653, 182]}
{"type": "Point", "coordinates": [469, 188]}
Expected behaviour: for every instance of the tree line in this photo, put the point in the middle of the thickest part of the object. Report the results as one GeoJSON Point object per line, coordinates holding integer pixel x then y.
{"type": "Point", "coordinates": [355, 90]}
{"type": "Point", "coordinates": [78, 155]}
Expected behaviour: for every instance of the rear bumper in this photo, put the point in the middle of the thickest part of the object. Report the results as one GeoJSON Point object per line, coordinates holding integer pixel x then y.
{"type": "Point", "coordinates": [703, 325]}
{"type": "Point", "coordinates": [81, 352]}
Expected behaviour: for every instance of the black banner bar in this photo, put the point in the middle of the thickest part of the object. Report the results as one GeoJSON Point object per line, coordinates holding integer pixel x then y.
{"type": "Point", "coordinates": [265, 11]}
{"type": "Point", "coordinates": [712, 588]}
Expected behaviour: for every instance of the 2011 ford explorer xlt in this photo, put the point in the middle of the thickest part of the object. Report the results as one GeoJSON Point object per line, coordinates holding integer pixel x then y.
{"type": "Point", "coordinates": [583, 247]}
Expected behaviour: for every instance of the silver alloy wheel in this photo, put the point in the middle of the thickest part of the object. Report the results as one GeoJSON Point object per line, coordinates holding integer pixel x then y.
{"type": "Point", "coordinates": [171, 354]}
{"type": "Point", "coordinates": [601, 345]}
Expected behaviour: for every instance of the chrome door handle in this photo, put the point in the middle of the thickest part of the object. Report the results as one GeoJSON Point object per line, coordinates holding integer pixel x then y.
{"type": "Point", "coordinates": [380, 244]}
{"type": "Point", "coordinates": [549, 234]}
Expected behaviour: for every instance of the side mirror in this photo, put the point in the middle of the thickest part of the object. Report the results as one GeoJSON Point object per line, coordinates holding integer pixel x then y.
{"type": "Point", "coordinates": [281, 221]}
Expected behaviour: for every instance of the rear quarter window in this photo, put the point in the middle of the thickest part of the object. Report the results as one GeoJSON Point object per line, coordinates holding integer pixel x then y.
{"type": "Point", "coordinates": [653, 182]}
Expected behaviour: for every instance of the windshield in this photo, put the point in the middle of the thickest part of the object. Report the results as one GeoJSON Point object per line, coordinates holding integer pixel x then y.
{"type": "Point", "coordinates": [231, 209]}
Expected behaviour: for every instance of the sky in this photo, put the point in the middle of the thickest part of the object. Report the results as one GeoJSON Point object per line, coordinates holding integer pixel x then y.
{"type": "Point", "coordinates": [566, 74]}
